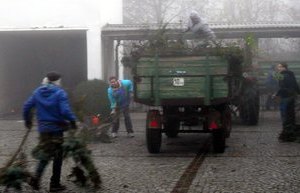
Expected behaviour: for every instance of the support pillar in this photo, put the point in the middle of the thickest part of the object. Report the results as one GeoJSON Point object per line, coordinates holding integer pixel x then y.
{"type": "Point", "coordinates": [108, 63]}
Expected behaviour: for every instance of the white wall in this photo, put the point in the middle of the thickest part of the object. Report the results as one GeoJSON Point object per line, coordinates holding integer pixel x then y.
{"type": "Point", "coordinates": [87, 14]}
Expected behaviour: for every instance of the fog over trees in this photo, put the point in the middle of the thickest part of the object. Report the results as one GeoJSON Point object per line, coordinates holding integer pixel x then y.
{"type": "Point", "coordinates": [232, 11]}
{"type": "Point", "coordinates": [222, 11]}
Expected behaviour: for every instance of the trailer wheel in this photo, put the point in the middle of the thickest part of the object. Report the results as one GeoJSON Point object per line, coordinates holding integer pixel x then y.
{"type": "Point", "coordinates": [171, 127]}
{"type": "Point", "coordinates": [219, 140]}
{"type": "Point", "coordinates": [153, 135]}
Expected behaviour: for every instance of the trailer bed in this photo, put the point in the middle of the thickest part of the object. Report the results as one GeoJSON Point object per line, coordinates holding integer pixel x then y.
{"type": "Point", "coordinates": [186, 80]}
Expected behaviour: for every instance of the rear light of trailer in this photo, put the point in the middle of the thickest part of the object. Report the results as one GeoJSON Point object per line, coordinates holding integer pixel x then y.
{"type": "Point", "coordinates": [213, 125]}
{"type": "Point", "coordinates": [154, 121]}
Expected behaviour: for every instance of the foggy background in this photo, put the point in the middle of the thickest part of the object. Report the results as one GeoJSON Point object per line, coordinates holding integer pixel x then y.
{"type": "Point", "coordinates": [223, 11]}
{"type": "Point", "coordinates": [27, 55]}
{"type": "Point", "coordinates": [40, 36]}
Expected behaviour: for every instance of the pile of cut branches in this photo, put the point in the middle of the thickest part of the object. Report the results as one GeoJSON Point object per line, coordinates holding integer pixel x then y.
{"type": "Point", "coordinates": [84, 170]}
{"type": "Point", "coordinates": [15, 172]}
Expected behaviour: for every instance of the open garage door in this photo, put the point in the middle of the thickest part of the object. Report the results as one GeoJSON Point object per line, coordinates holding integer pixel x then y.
{"type": "Point", "coordinates": [26, 56]}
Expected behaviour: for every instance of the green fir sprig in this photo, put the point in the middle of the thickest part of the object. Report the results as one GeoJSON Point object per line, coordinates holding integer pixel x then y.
{"type": "Point", "coordinates": [85, 169]}
{"type": "Point", "coordinates": [15, 172]}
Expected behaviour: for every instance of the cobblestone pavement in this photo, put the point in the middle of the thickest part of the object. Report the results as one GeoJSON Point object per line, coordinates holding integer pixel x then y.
{"type": "Point", "coordinates": [254, 161]}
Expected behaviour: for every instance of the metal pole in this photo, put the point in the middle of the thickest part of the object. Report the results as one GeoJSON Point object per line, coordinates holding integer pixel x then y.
{"type": "Point", "coordinates": [117, 58]}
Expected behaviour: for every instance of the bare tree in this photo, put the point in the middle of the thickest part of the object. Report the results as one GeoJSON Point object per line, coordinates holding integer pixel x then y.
{"type": "Point", "coordinates": [159, 11]}
{"type": "Point", "coordinates": [147, 11]}
{"type": "Point", "coordinates": [254, 10]}
{"type": "Point", "coordinates": [221, 11]}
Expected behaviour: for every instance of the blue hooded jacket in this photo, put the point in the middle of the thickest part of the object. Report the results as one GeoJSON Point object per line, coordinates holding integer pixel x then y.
{"type": "Point", "coordinates": [52, 108]}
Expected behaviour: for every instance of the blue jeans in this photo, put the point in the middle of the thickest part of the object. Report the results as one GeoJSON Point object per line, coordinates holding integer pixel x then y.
{"type": "Point", "coordinates": [127, 119]}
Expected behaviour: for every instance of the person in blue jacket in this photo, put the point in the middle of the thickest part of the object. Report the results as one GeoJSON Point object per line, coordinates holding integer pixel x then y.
{"type": "Point", "coordinates": [119, 95]}
{"type": "Point", "coordinates": [53, 114]}
{"type": "Point", "coordinates": [288, 91]}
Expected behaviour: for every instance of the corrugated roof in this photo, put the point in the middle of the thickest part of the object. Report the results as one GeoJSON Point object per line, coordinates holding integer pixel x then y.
{"type": "Point", "coordinates": [249, 25]}
{"type": "Point", "coordinates": [222, 30]}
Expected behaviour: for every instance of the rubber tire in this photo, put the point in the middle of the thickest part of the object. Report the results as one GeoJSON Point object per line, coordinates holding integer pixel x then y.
{"type": "Point", "coordinates": [153, 138]}
{"type": "Point", "coordinates": [219, 140]}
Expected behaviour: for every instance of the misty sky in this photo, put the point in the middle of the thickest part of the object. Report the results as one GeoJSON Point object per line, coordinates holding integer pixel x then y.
{"type": "Point", "coordinates": [79, 13]}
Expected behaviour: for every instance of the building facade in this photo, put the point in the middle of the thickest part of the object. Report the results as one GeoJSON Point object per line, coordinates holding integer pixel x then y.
{"type": "Point", "coordinates": [39, 36]}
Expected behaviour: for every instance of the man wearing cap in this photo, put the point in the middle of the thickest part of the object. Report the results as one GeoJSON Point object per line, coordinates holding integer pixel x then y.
{"type": "Point", "coordinates": [53, 113]}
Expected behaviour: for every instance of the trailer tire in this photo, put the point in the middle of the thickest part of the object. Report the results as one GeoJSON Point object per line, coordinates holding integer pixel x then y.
{"type": "Point", "coordinates": [153, 137]}
{"type": "Point", "coordinates": [153, 140]}
{"type": "Point", "coordinates": [219, 140]}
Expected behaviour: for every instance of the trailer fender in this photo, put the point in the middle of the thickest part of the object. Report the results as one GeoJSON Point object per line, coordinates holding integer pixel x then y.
{"type": "Point", "coordinates": [154, 120]}
{"type": "Point", "coordinates": [214, 120]}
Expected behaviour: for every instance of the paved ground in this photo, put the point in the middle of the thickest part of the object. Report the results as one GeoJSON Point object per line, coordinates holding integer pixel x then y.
{"type": "Point", "coordinates": [254, 161]}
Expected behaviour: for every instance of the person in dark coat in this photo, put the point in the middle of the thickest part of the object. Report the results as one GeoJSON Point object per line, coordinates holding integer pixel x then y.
{"type": "Point", "coordinates": [53, 114]}
{"type": "Point", "coordinates": [288, 91]}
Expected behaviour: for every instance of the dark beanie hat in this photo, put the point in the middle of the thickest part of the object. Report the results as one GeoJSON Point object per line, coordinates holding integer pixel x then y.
{"type": "Point", "coordinates": [53, 76]}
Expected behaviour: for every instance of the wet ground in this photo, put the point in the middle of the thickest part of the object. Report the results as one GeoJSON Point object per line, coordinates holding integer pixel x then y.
{"type": "Point", "coordinates": [254, 161]}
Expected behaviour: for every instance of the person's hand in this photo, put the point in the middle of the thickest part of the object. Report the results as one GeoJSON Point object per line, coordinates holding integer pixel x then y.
{"type": "Point", "coordinates": [28, 124]}
{"type": "Point", "coordinates": [113, 112]}
{"type": "Point", "coordinates": [275, 98]}
{"type": "Point", "coordinates": [73, 125]}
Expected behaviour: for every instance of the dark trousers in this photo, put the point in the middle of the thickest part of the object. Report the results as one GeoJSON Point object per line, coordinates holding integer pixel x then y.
{"type": "Point", "coordinates": [287, 112]}
{"type": "Point", "coordinates": [127, 119]}
{"type": "Point", "coordinates": [52, 146]}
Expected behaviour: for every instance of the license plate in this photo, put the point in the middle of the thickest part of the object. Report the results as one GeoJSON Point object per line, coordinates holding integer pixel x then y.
{"type": "Point", "coordinates": [178, 81]}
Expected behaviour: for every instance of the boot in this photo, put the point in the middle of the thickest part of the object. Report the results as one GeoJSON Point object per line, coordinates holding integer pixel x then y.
{"type": "Point", "coordinates": [57, 187]}
{"type": "Point", "coordinates": [34, 182]}
{"type": "Point", "coordinates": [287, 137]}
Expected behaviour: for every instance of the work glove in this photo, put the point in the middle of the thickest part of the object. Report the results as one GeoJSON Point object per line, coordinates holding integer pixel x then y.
{"type": "Point", "coordinates": [28, 124]}
{"type": "Point", "coordinates": [73, 125]}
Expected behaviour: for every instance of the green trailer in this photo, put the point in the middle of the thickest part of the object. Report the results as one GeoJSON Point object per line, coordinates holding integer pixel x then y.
{"type": "Point", "coordinates": [188, 91]}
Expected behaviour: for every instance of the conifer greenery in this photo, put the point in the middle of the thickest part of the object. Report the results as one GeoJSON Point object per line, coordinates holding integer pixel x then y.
{"type": "Point", "coordinates": [161, 45]}
{"type": "Point", "coordinates": [15, 172]}
{"type": "Point", "coordinates": [90, 98]}
{"type": "Point", "coordinates": [84, 170]}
